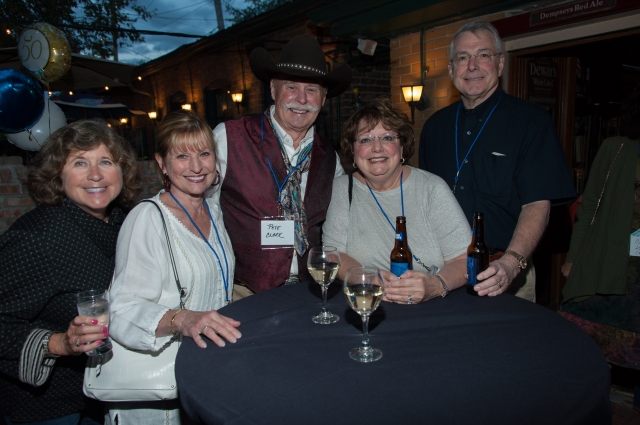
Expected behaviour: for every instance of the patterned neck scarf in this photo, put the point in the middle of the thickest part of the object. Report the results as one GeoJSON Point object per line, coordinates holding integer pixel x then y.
{"type": "Point", "coordinates": [291, 194]}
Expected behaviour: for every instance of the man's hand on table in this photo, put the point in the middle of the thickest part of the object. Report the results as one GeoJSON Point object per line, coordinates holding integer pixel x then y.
{"type": "Point", "coordinates": [498, 276]}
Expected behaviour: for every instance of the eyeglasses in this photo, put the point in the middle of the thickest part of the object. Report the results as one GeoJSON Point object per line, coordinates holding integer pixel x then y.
{"type": "Point", "coordinates": [482, 58]}
{"type": "Point", "coordinates": [368, 139]}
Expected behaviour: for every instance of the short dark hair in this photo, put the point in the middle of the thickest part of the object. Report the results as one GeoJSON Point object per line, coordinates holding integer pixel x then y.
{"type": "Point", "coordinates": [379, 110]}
{"type": "Point", "coordinates": [44, 182]}
{"type": "Point", "coordinates": [183, 129]}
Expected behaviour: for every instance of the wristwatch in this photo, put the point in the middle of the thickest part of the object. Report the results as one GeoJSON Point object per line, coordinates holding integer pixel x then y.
{"type": "Point", "coordinates": [522, 262]}
{"type": "Point", "coordinates": [444, 286]}
{"type": "Point", "coordinates": [45, 346]}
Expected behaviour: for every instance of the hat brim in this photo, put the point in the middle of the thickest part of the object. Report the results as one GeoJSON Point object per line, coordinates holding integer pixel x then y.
{"type": "Point", "coordinates": [263, 67]}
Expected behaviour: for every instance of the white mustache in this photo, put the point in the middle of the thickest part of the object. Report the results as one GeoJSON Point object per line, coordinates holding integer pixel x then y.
{"type": "Point", "coordinates": [299, 107]}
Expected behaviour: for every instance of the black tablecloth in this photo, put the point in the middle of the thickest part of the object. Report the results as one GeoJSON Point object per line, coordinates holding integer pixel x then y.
{"type": "Point", "coordinates": [457, 360]}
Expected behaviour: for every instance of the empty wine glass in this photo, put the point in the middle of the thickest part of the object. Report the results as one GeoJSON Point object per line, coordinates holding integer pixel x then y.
{"type": "Point", "coordinates": [323, 264]}
{"type": "Point", "coordinates": [363, 289]}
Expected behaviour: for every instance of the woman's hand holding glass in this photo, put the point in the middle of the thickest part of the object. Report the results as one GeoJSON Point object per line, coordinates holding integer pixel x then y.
{"type": "Point", "coordinates": [211, 324]}
{"type": "Point", "coordinates": [83, 334]}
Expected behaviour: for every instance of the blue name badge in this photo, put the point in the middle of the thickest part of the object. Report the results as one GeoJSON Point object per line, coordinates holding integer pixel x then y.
{"type": "Point", "coordinates": [634, 245]}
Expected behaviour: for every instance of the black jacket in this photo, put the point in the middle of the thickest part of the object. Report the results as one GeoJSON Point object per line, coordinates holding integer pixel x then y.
{"type": "Point", "coordinates": [46, 257]}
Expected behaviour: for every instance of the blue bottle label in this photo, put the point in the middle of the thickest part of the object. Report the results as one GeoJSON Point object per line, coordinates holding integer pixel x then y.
{"type": "Point", "coordinates": [400, 237]}
{"type": "Point", "coordinates": [472, 271]}
{"type": "Point", "coordinates": [399, 268]}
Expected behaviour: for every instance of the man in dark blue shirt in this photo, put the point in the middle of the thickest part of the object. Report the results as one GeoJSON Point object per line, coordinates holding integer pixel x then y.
{"type": "Point", "coordinates": [500, 155]}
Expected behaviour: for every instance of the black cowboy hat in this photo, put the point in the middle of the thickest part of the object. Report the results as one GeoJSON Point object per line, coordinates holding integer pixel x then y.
{"type": "Point", "coordinates": [301, 57]}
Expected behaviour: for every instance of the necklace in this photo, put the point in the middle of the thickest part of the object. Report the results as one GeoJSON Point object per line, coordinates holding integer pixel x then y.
{"type": "Point", "coordinates": [225, 276]}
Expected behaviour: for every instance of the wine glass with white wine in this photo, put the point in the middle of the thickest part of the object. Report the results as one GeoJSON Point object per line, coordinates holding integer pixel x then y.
{"type": "Point", "coordinates": [323, 264]}
{"type": "Point", "coordinates": [363, 289]}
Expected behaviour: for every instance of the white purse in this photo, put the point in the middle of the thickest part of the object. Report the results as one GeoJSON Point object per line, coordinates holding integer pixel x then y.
{"type": "Point", "coordinates": [131, 375]}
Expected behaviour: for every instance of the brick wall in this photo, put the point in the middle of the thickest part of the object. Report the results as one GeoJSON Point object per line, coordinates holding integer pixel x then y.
{"type": "Point", "coordinates": [151, 183]}
{"type": "Point", "coordinates": [15, 200]}
{"type": "Point", "coordinates": [406, 68]}
{"type": "Point", "coordinates": [230, 66]}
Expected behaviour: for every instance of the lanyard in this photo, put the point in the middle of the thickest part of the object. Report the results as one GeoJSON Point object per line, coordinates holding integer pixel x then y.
{"type": "Point", "coordinates": [293, 169]}
{"type": "Point", "coordinates": [459, 164]}
{"type": "Point", "coordinates": [225, 278]}
{"type": "Point", "coordinates": [387, 217]}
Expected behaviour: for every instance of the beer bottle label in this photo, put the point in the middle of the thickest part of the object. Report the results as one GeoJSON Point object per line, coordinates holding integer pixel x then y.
{"type": "Point", "coordinates": [472, 271]}
{"type": "Point", "coordinates": [400, 237]}
{"type": "Point", "coordinates": [399, 268]}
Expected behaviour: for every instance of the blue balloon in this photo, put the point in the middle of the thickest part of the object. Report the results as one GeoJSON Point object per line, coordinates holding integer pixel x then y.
{"type": "Point", "coordinates": [21, 101]}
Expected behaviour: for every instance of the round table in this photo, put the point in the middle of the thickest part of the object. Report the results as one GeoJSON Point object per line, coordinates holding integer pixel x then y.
{"type": "Point", "coordinates": [454, 360]}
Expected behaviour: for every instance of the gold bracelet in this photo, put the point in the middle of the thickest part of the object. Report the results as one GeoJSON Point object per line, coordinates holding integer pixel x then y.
{"type": "Point", "coordinates": [174, 318]}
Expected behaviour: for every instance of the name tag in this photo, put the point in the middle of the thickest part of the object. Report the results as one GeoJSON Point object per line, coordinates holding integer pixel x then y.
{"type": "Point", "coordinates": [634, 246]}
{"type": "Point", "coordinates": [277, 233]}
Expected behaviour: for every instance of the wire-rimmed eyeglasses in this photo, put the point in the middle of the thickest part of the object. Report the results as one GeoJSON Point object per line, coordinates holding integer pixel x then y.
{"type": "Point", "coordinates": [368, 139]}
{"type": "Point", "coordinates": [482, 57]}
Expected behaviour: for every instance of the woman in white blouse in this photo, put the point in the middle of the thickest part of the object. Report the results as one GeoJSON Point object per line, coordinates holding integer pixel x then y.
{"type": "Point", "coordinates": [145, 312]}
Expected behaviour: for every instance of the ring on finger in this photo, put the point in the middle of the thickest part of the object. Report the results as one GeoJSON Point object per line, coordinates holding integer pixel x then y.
{"type": "Point", "coordinates": [204, 329]}
{"type": "Point", "coordinates": [77, 343]}
{"type": "Point", "coordinates": [500, 284]}
{"type": "Point", "coordinates": [410, 299]}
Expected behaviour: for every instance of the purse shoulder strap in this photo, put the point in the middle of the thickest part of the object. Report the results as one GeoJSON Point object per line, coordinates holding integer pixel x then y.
{"type": "Point", "coordinates": [350, 189]}
{"type": "Point", "coordinates": [181, 289]}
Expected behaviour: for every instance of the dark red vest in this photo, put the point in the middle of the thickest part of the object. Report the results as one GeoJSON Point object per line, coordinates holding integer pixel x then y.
{"type": "Point", "coordinates": [249, 193]}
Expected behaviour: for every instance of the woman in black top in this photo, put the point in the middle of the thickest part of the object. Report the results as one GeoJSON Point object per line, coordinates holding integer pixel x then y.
{"type": "Point", "coordinates": [82, 178]}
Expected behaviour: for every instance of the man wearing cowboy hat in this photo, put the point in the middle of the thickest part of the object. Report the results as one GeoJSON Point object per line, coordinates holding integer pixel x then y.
{"type": "Point", "coordinates": [277, 172]}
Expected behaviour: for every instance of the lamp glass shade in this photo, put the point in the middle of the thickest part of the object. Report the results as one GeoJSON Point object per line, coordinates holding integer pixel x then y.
{"type": "Point", "coordinates": [153, 115]}
{"type": "Point", "coordinates": [124, 120]}
{"type": "Point", "coordinates": [186, 106]}
{"type": "Point", "coordinates": [412, 93]}
{"type": "Point", "coordinates": [236, 97]}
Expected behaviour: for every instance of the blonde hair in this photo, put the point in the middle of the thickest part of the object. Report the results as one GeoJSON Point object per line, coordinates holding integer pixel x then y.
{"type": "Point", "coordinates": [183, 130]}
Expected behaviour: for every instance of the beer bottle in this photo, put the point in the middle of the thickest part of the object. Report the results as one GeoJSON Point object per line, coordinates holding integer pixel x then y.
{"type": "Point", "coordinates": [477, 253]}
{"type": "Point", "coordinates": [401, 258]}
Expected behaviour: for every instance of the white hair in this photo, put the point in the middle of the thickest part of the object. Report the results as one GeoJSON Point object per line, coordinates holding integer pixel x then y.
{"type": "Point", "coordinates": [474, 27]}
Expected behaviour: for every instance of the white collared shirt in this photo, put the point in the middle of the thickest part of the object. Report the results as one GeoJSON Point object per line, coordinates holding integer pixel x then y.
{"type": "Point", "coordinates": [220, 134]}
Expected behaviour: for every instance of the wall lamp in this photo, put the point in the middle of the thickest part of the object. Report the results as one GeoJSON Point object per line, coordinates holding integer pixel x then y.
{"type": "Point", "coordinates": [124, 120]}
{"type": "Point", "coordinates": [186, 106]}
{"type": "Point", "coordinates": [413, 96]}
{"type": "Point", "coordinates": [237, 99]}
{"type": "Point", "coordinates": [153, 115]}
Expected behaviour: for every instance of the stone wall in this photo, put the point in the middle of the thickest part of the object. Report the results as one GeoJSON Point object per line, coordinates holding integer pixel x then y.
{"type": "Point", "coordinates": [406, 68]}
{"type": "Point", "coordinates": [15, 200]}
